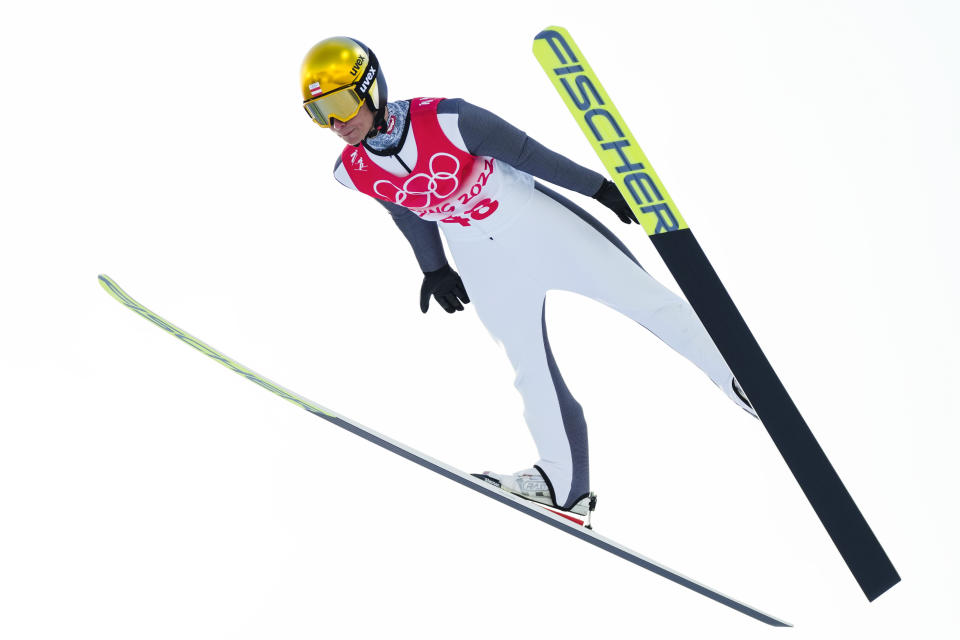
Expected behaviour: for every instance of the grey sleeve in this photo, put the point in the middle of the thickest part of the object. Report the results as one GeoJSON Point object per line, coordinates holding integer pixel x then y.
{"type": "Point", "coordinates": [423, 236]}
{"type": "Point", "coordinates": [486, 134]}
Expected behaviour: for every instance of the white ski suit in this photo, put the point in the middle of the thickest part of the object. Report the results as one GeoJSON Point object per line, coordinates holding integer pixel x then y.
{"type": "Point", "coordinates": [513, 240]}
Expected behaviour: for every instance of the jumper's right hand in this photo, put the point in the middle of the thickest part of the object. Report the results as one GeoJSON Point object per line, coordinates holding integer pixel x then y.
{"type": "Point", "coordinates": [609, 195]}
{"type": "Point", "coordinates": [445, 285]}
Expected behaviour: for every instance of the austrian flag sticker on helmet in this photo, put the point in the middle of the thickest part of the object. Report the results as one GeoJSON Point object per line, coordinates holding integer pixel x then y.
{"type": "Point", "coordinates": [315, 89]}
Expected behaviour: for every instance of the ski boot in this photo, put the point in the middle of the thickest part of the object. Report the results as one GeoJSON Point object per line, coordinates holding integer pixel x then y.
{"type": "Point", "coordinates": [531, 485]}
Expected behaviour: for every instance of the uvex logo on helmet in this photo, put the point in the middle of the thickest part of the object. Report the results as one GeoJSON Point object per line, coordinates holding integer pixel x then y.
{"type": "Point", "coordinates": [367, 79]}
{"type": "Point", "coordinates": [357, 65]}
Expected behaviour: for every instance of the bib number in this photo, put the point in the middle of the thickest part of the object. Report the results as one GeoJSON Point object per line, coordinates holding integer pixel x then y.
{"type": "Point", "coordinates": [481, 211]}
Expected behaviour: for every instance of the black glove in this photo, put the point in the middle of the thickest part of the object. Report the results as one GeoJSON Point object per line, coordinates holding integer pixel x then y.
{"type": "Point", "coordinates": [609, 196]}
{"type": "Point", "coordinates": [446, 286]}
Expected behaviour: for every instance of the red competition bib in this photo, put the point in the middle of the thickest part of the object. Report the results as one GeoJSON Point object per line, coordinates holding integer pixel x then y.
{"type": "Point", "coordinates": [446, 185]}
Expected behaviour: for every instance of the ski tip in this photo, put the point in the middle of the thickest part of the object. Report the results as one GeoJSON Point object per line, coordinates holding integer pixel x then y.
{"type": "Point", "coordinates": [107, 283]}
{"type": "Point", "coordinates": [551, 31]}
{"type": "Point", "coordinates": [113, 288]}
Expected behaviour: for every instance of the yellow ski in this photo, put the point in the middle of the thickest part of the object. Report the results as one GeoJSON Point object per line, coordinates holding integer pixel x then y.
{"type": "Point", "coordinates": [652, 206]}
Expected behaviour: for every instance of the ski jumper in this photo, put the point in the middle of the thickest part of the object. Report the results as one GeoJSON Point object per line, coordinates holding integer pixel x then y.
{"type": "Point", "coordinates": [512, 240]}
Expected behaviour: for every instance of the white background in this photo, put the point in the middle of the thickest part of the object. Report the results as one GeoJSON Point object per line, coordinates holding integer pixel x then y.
{"type": "Point", "coordinates": [145, 492]}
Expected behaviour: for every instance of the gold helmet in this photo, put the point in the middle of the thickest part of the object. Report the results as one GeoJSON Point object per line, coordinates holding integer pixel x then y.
{"type": "Point", "coordinates": [337, 77]}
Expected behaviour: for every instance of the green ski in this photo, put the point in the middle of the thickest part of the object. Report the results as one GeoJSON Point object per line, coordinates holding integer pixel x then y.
{"type": "Point", "coordinates": [533, 509]}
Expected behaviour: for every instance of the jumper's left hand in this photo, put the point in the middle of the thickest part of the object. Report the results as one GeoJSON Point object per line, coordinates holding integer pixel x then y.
{"type": "Point", "coordinates": [609, 196]}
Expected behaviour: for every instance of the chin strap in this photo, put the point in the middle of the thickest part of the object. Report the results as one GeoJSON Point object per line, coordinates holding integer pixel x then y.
{"type": "Point", "coordinates": [379, 121]}
{"type": "Point", "coordinates": [379, 124]}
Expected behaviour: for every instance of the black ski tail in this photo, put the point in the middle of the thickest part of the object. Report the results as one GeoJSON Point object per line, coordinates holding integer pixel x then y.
{"type": "Point", "coordinates": [816, 476]}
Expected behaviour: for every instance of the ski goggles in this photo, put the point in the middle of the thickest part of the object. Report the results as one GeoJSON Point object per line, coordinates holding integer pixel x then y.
{"type": "Point", "coordinates": [343, 104]}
